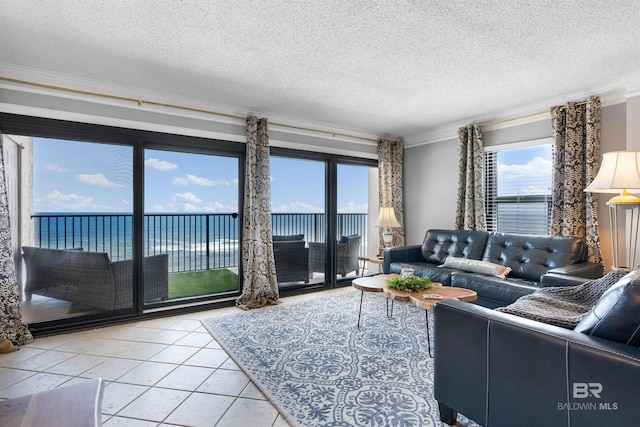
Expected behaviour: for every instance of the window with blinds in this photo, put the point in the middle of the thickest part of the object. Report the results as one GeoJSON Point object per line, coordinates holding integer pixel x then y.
{"type": "Point", "coordinates": [518, 188]}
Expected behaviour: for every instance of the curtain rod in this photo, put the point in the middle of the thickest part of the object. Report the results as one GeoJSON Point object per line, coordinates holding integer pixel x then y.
{"type": "Point", "coordinates": [177, 107]}
{"type": "Point", "coordinates": [526, 116]}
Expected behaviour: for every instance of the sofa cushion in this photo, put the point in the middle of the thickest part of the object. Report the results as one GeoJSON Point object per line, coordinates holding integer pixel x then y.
{"type": "Point", "coordinates": [439, 244]}
{"type": "Point", "coordinates": [616, 315]}
{"type": "Point", "coordinates": [532, 256]}
{"type": "Point", "coordinates": [491, 288]}
{"type": "Point", "coordinates": [476, 266]}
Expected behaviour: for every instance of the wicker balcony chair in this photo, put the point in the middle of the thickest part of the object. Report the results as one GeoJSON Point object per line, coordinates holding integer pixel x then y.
{"type": "Point", "coordinates": [292, 258]}
{"type": "Point", "coordinates": [346, 256]}
{"type": "Point", "coordinates": [90, 278]}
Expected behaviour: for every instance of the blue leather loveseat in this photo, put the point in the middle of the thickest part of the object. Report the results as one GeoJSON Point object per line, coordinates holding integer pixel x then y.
{"type": "Point", "coordinates": [502, 370]}
{"type": "Point", "coordinates": [534, 261]}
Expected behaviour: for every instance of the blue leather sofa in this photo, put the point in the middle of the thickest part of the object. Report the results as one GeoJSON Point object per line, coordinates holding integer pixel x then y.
{"type": "Point", "coordinates": [534, 261]}
{"type": "Point", "coordinates": [501, 370]}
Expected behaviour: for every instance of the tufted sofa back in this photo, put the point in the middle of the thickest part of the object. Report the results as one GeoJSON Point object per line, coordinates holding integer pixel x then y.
{"type": "Point", "coordinates": [439, 244]}
{"type": "Point", "coordinates": [532, 256]}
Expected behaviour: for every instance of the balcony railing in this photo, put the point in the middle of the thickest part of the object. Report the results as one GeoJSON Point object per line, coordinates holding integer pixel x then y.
{"type": "Point", "coordinates": [192, 241]}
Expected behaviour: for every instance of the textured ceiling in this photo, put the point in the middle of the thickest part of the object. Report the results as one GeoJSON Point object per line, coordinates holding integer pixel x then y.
{"type": "Point", "coordinates": [396, 67]}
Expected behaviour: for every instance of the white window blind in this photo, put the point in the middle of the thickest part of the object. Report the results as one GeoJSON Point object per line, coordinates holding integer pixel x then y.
{"type": "Point", "coordinates": [518, 188]}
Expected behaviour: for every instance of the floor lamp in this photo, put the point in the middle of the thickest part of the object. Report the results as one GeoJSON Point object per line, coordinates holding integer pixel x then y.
{"type": "Point", "coordinates": [620, 173]}
{"type": "Point", "coordinates": [386, 220]}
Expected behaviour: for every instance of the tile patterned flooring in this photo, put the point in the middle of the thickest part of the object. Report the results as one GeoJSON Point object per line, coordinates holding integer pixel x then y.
{"type": "Point", "coordinates": [159, 372]}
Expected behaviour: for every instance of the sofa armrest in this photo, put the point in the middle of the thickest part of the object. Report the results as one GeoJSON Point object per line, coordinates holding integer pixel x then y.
{"type": "Point", "coordinates": [517, 371]}
{"type": "Point", "coordinates": [401, 254]}
{"type": "Point", "coordinates": [589, 270]}
{"type": "Point", "coordinates": [555, 280]}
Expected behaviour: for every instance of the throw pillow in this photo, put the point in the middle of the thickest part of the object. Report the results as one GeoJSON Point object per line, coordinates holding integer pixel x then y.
{"type": "Point", "coordinates": [477, 266]}
{"type": "Point", "coordinates": [616, 315]}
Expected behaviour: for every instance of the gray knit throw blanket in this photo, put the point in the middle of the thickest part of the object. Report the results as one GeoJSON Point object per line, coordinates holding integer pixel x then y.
{"type": "Point", "coordinates": [562, 306]}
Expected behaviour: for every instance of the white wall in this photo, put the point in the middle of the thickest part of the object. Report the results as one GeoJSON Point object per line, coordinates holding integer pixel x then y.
{"type": "Point", "coordinates": [430, 188]}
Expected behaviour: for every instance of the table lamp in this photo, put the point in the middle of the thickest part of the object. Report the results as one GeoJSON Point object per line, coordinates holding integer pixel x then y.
{"type": "Point", "coordinates": [387, 220]}
{"type": "Point", "coordinates": [620, 173]}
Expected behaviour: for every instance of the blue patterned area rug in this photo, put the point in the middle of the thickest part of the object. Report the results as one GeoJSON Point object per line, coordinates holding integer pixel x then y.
{"type": "Point", "coordinates": [314, 364]}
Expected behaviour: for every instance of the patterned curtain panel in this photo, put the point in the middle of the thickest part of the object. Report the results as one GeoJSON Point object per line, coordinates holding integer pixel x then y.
{"type": "Point", "coordinates": [470, 212]}
{"type": "Point", "coordinates": [258, 265]}
{"type": "Point", "coordinates": [390, 162]}
{"type": "Point", "coordinates": [576, 134]}
{"type": "Point", "coordinates": [11, 326]}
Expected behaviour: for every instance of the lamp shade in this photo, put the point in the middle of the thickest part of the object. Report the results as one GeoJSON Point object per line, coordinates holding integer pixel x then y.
{"type": "Point", "coordinates": [387, 218]}
{"type": "Point", "coordinates": [619, 173]}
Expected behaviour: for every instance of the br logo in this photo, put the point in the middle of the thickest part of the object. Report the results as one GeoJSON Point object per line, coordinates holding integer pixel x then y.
{"type": "Point", "coordinates": [584, 390]}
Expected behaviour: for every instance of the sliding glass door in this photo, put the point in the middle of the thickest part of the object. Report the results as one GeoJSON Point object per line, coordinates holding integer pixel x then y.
{"type": "Point", "coordinates": [320, 215]}
{"type": "Point", "coordinates": [191, 225]}
{"type": "Point", "coordinates": [117, 223]}
{"type": "Point", "coordinates": [77, 247]}
{"type": "Point", "coordinates": [352, 219]}
{"type": "Point", "coordinates": [298, 220]}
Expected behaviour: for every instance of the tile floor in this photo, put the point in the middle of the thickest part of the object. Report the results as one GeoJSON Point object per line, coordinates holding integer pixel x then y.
{"type": "Point", "coordinates": [160, 372]}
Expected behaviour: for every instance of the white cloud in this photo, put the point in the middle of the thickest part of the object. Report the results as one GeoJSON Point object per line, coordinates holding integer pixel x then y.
{"type": "Point", "coordinates": [179, 181]}
{"type": "Point", "coordinates": [197, 180]}
{"type": "Point", "coordinates": [297, 207]}
{"type": "Point", "coordinates": [188, 207]}
{"type": "Point", "coordinates": [97, 180]}
{"type": "Point", "coordinates": [219, 207]}
{"type": "Point", "coordinates": [353, 207]}
{"type": "Point", "coordinates": [535, 167]}
{"type": "Point", "coordinates": [528, 178]}
{"type": "Point", "coordinates": [55, 168]}
{"type": "Point", "coordinates": [211, 207]}
{"type": "Point", "coordinates": [188, 197]}
{"type": "Point", "coordinates": [160, 165]}
{"type": "Point", "coordinates": [56, 201]}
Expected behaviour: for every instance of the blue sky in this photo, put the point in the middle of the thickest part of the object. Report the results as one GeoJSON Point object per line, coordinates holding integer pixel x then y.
{"type": "Point", "coordinates": [525, 171]}
{"type": "Point", "coordinates": [86, 177]}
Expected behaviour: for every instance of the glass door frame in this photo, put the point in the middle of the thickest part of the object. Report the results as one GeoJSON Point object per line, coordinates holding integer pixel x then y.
{"type": "Point", "coordinates": [29, 126]}
{"type": "Point", "coordinates": [331, 199]}
{"type": "Point", "coordinates": [176, 144]}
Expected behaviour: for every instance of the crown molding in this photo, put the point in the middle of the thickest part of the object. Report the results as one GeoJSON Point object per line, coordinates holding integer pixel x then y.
{"type": "Point", "coordinates": [631, 82]}
{"type": "Point", "coordinates": [615, 92]}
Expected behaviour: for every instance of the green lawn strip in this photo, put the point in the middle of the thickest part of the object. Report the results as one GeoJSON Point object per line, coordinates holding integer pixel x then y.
{"type": "Point", "coordinates": [194, 283]}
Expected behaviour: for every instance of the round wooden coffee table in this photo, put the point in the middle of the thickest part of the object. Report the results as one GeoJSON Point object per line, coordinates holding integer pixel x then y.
{"type": "Point", "coordinates": [419, 300]}
{"type": "Point", "coordinates": [371, 284]}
